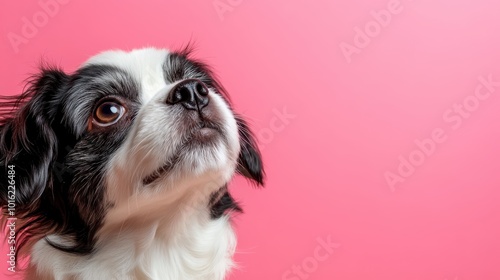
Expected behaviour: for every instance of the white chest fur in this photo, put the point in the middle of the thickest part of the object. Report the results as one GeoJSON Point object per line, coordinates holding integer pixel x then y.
{"type": "Point", "coordinates": [199, 249]}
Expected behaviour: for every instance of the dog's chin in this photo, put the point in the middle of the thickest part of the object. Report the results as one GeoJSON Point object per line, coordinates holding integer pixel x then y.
{"type": "Point", "coordinates": [203, 150]}
{"type": "Point", "coordinates": [204, 136]}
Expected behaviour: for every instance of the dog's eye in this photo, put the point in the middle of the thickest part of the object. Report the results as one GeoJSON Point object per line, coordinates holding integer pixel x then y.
{"type": "Point", "coordinates": [108, 113]}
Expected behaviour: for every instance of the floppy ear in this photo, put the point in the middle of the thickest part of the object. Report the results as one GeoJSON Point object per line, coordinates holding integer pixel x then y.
{"type": "Point", "coordinates": [249, 160]}
{"type": "Point", "coordinates": [28, 144]}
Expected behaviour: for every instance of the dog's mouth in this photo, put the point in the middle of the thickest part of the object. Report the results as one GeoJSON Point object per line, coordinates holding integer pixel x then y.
{"type": "Point", "coordinates": [204, 133]}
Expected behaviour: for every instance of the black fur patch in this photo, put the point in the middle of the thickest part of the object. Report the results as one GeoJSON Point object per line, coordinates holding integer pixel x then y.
{"type": "Point", "coordinates": [222, 202]}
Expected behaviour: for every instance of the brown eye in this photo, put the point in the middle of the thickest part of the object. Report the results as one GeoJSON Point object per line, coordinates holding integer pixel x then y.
{"type": "Point", "coordinates": [108, 113]}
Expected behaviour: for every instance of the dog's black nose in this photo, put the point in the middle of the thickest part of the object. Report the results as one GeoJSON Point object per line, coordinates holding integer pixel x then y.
{"type": "Point", "coordinates": [191, 93]}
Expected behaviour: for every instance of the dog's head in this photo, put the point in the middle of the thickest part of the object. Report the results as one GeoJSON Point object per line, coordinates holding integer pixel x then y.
{"type": "Point", "coordinates": [125, 132]}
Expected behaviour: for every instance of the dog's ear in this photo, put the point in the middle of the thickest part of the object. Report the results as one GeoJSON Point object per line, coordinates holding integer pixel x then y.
{"type": "Point", "coordinates": [250, 159]}
{"type": "Point", "coordinates": [28, 144]}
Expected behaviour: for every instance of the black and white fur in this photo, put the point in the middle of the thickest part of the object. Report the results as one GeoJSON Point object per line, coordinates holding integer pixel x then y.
{"type": "Point", "coordinates": [143, 198]}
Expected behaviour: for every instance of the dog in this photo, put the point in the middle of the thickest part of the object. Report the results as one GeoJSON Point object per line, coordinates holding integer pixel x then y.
{"type": "Point", "coordinates": [120, 170]}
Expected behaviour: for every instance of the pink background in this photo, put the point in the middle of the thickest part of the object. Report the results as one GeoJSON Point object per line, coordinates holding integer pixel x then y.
{"type": "Point", "coordinates": [353, 117]}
